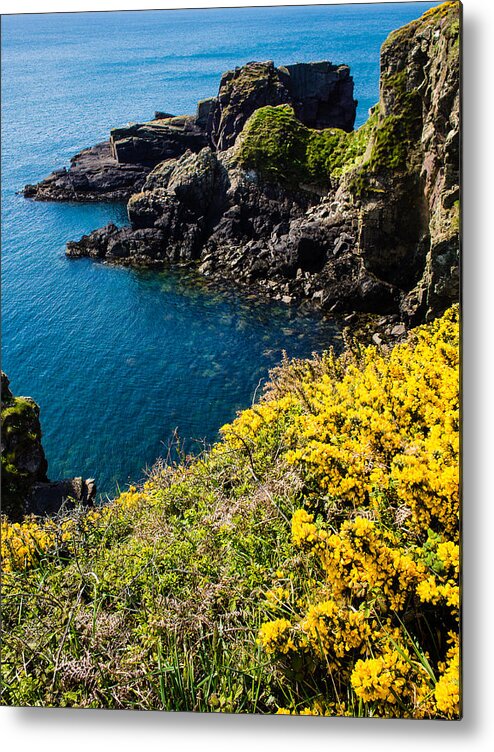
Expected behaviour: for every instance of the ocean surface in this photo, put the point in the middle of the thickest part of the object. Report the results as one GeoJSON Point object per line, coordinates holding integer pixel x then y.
{"type": "Point", "coordinates": [120, 360]}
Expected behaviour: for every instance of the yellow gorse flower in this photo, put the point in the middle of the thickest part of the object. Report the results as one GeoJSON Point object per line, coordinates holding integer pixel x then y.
{"type": "Point", "coordinates": [379, 437]}
{"type": "Point", "coordinates": [25, 543]}
{"type": "Point", "coordinates": [376, 442]}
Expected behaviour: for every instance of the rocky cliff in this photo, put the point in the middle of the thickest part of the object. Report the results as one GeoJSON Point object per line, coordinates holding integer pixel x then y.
{"type": "Point", "coordinates": [25, 485]}
{"type": "Point", "coordinates": [94, 175]}
{"type": "Point", "coordinates": [321, 93]}
{"type": "Point", "coordinates": [286, 197]}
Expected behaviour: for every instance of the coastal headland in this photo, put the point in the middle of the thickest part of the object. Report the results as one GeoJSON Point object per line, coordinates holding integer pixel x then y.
{"type": "Point", "coordinates": [269, 187]}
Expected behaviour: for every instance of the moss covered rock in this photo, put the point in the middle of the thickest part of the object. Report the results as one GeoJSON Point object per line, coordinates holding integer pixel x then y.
{"type": "Point", "coordinates": [321, 95]}
{"type": "Point", "coordinates": [26, 489]}
{"type": "Point", "coordinates": [364, 220]}
{"type": "Point", "coordinates": [23, 458]}
{"type": "Point", "coordinates": [281, 148]}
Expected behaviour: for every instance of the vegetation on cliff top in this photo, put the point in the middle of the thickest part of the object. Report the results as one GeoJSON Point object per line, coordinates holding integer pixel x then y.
{"type": "Point", "coordinates": [307, 564]}
{"type": "Point", "coordinates": [448, 11]}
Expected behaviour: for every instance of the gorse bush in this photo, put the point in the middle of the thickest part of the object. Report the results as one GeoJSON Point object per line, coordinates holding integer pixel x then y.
{"type": "Point", "coordinates": [377, 443]}
{"type": "Point", "coordinates": [308, 563]}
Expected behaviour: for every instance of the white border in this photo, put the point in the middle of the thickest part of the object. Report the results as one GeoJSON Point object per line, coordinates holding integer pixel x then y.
{"type": "Point", "coordinates": [38, 730]}
{"type": "Point", "coordinates": [52, 6]}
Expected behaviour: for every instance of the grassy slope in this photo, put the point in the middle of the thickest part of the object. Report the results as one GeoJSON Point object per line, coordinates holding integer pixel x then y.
{"type": "Point", "coordinates": [307, 563]}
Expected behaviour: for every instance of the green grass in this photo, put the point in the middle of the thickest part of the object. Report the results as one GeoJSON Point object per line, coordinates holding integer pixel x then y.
{"type": "Point", "coordinates": [156, 600]}
{"type": "Point", "coordinates": [158, 608]}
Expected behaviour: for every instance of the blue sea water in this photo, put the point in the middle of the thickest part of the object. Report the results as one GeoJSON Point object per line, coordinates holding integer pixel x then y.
{"type": "Point", "coordinates": [119, 359]}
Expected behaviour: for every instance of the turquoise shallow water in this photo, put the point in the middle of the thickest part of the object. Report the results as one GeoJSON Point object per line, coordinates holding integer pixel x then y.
{"type": "Point", "coordinates": [119, 359]}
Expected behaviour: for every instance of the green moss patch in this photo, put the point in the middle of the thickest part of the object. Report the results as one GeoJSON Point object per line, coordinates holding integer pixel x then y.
{"type": "Point", "coordinates": [20, 435]}
{"type": "Point", "coordinates": [448, 10]}
{"type": "Point", "coordinates": [281, 148]}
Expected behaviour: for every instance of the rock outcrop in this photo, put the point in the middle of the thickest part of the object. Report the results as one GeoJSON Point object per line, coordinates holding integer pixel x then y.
{"type": "Point", "coordinates": [94, 175]}
{"type": "Point", "coordinates": [23, 458]}
{"type": "Point", "coordinates": [51, 497]}
{"type": "Point", "coordinates": [25, 485]}
{"type": "Point", "coordinates": [354, 221]}
{"type": "Point", "coordinates": [321, 93]}
{"type": "Point", "coordinates": [287, 198]}
{"type": "Point", "coordinates": [162, 138]}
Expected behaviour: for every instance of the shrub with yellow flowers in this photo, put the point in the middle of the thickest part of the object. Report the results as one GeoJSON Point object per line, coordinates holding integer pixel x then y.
{"type": "Point", "coordinates": [26, 543]}
{"type": "Point", "coordinates": [377, 442]}
{"type": "Point", "coordinates": [23, 543]}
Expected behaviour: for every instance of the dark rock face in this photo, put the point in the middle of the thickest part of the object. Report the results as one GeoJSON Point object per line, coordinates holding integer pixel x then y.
{"type": "Point", "coordinates": [50, 498]}
{"type": "Point", "coordinates": [93, 175]}
{"type": "Point", "coordinates": [25, 486]}
{"type": "Point", "coordinates": [121, 245]}
{"type": "Point", "coordinates": [171, 218]}
{"type": "Point", "coordinates": [204, 112]}
{"type": "Point", "coordinates": [320, 93]}
{"type": "Point", "coordinates": [241, 92]}
{"type": "Point", "coordinates": [298, 254]}
{"type": "Point", "coordinates": [409, 198]}
{"type": "Point", "coordinates": [205, 209]}
{"type": "Point", "coordinates": [378, 231]}
{"type": "Point", "coordinates": [385, 237]}
{"type": "Point", "coordinates": [150, 143]}
{"type": "Point", "coordinates": [432, 57]}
